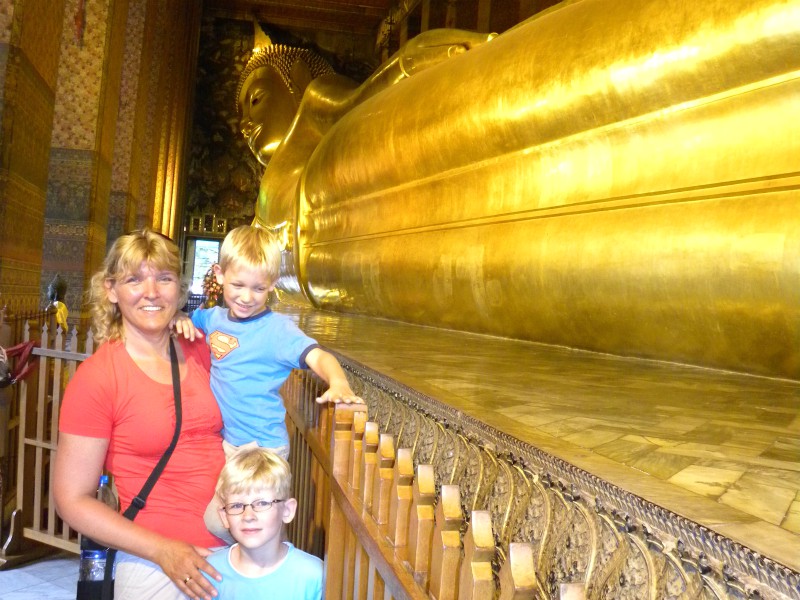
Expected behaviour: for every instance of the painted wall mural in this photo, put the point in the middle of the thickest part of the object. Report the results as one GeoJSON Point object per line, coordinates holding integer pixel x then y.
{"type": "Point", "coordinates": [223, 175]}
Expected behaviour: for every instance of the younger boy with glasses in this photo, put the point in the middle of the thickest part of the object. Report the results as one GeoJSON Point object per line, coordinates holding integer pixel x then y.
{"type": "Point", "coordinates": [255, 487]}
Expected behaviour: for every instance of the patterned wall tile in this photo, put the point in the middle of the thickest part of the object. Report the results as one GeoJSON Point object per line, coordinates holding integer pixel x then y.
{"type": "Point", "coordinates": [33, 120]}
{"type": "Point", "coordinates": [41, 26]}
{"type": "Point", "coordinates": [123, 143]}
{"type": "Point", "coordinates": [6, 18]}
{"type": "Point", "coordinates": [65, 246]}
{"type": "Point", "coordinates": [80, 74]}
{"type": "Point", "coordinates": [28, 98]}
{"type": "Point", "coordinates": [117, 214]}
{"type": "Point", "coordinates": [70, 188]}
{"type": "Point", "coordinates": [20, 242]}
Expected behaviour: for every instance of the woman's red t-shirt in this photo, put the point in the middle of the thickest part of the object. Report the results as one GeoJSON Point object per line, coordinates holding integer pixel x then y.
{"type": "Point", "coordinates": [110, 397]}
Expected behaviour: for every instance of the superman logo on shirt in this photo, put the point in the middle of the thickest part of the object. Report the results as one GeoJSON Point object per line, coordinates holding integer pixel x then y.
{"type": "Point", "coordinates": [222, 344]}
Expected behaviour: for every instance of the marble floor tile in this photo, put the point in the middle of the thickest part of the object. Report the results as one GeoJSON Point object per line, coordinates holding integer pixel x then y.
{"type": "Point", "coordinates": [542, 418]}
{"type": "Point", "coordinates": [661, 465]}
{"type": "Point", "coordinates": [706, 481]}
{"type": "Point", "coordinates": [680, 424]}
{"type": "Point", "coordinates": [768, 503]}
{"type": "Point", "coordinates": [592, 437]}
{"type": "Point", "coordinates": [52, 578]}
{"type": "Point", "coordinates": [709, 433]}
{"type": "Point", "coordinates": [649, 439]}
{"type": "Point", "coordinates": [784, 449]}
{"type": "Point", "coordinates": [14, 580]}
{"type": "Point", "coordinates": [625, 451]}
{"type": "Point", "coordinates": [792, 518]}
{"type": "Point", "coordinates": [744, 448]}
{"type": "Point", "coordinates": [565, 427]}
{"type": "Point", "coordinates": [794, 425]}
{"type": "Point", "coordinates": [712, 451]}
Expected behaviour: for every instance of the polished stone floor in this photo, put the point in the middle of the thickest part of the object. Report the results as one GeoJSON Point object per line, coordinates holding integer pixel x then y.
{"type": "Point", "coordinates": [719, 448]}
{"type": "Point", "coordinates": [51, 578]}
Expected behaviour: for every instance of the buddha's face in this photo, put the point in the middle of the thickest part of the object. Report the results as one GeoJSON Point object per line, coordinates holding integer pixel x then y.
{"type": "Point", "coordinates": [267, 108]}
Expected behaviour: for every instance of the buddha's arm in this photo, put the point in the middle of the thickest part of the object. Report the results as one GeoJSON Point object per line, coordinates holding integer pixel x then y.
{"type": "Point", "coordinates": [329, 97]}
{"type": "Point", "coordinates": [422, 52]}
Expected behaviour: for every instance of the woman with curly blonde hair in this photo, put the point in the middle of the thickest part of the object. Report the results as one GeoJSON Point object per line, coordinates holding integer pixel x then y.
{"type": "Point", "coordinates": [119, 415]}
{"type": "Point", "coordinates": [129, 251]}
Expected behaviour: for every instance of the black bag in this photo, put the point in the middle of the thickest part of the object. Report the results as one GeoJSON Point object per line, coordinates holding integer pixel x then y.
{"type": "Point", "coordinates": [138, 503]}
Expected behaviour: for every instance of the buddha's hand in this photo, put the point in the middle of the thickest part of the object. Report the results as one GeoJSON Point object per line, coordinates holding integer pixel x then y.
{"type": "Point", "coordinates": [437, 45]}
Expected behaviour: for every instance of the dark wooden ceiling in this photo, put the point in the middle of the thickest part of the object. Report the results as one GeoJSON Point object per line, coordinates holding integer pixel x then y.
{"type": "Point", "coordinates": [355, 17]}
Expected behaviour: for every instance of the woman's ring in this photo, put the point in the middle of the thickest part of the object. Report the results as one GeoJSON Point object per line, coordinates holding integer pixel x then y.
{"type": "Point", "coordinates": [187, 580]}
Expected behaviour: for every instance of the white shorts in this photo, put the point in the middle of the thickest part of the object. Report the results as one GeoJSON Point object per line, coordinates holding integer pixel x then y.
{"type": "Point", "coordinates": [137, 578]}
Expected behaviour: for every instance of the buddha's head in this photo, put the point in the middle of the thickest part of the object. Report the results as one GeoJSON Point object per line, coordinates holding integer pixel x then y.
{"type": "Point", "coordinates": [269, 92]}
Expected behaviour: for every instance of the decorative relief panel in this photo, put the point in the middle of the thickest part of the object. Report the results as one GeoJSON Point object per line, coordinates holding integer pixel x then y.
{"type": "Point", "coordinates": [223, 175]}
{"type": "Point", "coordinates": [582, 530]}
{"type": "Point", "coordinates": [70, 188]}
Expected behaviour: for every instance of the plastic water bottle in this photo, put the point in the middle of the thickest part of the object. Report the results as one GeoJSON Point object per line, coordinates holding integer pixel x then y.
{"type": "Point", "coordinates": [93, 556]}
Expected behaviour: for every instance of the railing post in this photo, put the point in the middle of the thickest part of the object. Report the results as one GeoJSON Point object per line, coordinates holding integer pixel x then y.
{"type": "Point", "coordinates": [337, 525]}
{"type": "Point", "coordinates": [518, 574]}
{"type": "Point", "coordinates": [354, 468]}
{"type": "Point", "coordinates": [477, 582]}
{"type": "Point", "coordinates": [354, 481]}
{"type": "Point", "coordinates": [369, 461]}
{"type": "Point", "coordinates": [382, 482]}
{"type": "Point", "coordinates": [400, 502]}
{"type": "Point", "coordinates": [446, 547]}
{"type": "Point", "coordinates": [420, 527]}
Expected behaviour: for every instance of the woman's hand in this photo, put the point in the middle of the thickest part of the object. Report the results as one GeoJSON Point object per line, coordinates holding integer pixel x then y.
{"type": "Point", "coordinates": [185, 565]}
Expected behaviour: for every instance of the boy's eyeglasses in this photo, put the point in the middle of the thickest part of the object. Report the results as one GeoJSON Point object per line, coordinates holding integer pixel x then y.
{"type": "Point", "coordinates": [237, 508]}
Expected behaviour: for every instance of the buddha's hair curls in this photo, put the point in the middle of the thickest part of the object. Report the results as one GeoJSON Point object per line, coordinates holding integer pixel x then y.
{"type": "Point", "coordinates": [282, 58]}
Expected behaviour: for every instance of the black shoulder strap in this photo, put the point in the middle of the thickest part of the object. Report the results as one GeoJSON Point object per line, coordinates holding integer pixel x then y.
{"type": "Point", "coordinates": [141, 498]}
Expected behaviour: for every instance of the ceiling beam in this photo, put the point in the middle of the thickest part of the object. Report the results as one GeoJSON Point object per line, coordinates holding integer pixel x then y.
{"type": "Point", "coordinates": [360, 17]}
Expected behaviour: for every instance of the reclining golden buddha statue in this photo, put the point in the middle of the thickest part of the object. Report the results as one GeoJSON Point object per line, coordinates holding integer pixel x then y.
{"type": "Point", "coordinates": [620, 178]}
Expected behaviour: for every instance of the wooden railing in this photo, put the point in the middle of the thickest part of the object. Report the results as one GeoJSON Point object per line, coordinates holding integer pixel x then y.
{"type": "Point", "coordinates": [35, 430]}
{"type": "Point", "coordinates": [388, 533]}
{"type": "Point", "coordinates": [15, 329]}
{"type": "Point", "coordinates": [416, 500]}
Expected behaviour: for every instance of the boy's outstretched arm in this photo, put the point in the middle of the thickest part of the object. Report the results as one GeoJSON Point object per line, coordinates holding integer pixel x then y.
{"type": "Point", "coordinates": [326, 366]}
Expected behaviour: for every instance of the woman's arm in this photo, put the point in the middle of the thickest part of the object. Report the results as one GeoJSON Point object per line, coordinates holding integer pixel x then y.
{"type": "Point", "coordinates": [79, 463]}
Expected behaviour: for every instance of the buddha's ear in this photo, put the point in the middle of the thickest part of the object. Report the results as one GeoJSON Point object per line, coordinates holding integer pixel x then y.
{"type": "Point", "coordinates": [301, 77]}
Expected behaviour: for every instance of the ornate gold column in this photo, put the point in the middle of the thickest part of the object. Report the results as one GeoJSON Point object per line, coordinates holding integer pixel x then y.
{"type": "Point", "coordinates": [126, 165]}
{"type": "Point", "coordinates": [86, 108]}
{"type": "Point", "coordinates": [30, 33]}
{"type": "Point", "coordinates": [176, 88]}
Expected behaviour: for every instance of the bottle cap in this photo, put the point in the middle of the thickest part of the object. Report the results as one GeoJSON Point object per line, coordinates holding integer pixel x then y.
{"type": "Point", "coordinates": [103, 479]}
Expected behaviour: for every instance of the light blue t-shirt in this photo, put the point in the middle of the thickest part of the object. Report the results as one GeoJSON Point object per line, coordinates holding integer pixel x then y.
{"type": "Point", "coordinates": [250, 360]}
{"type": "Point", "coordinates": [298, 577]}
